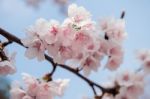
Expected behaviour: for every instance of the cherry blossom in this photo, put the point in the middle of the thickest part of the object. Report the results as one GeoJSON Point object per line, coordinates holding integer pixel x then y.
{"type": "Point", "coordinates": [89, 64]}
{"type": "Point", "coordinates": [132, 85]}
{"type": "Point", "coordinates": [38, 88]}
{"type": "Point", "coordinates": [53, 32]}
{"type": "Point", "coordinates": [114, 29]}
{"type": "Point", "coordinates": [78, 13]}
{"type": "Point", "coordinates": [77, 38]}
{"type": "Point", "coordinates": [8, 66]}
{"type": "Point", "coordinates": [113, 62]}
{"type": "Point", "coordinates": [34, 3]}
{"type": "Point", "coordinates": [85, 42]}
{"type": "Point", "coordinates": [144, 56]}
{"type": "Point", "coordinates": [17, 93]}
{"type": "Point", "coordinates": [36, 46]}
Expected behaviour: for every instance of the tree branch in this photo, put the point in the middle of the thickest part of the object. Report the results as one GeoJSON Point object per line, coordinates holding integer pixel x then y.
{"type": "Point", "coordinates": [92, 84]}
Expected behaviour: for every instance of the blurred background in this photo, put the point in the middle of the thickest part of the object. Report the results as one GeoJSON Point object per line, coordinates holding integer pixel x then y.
{"type": "Point", "coordinates": [17, 15]}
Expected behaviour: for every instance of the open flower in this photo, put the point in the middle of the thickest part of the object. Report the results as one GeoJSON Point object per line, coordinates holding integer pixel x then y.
{"type": "Point", "coordinates": [78, 13]}
{"type": "Point", "coordinates": [113, 62]}
{"type": "Point", "coordinates": [131, 85]}
{"type": "Point", "coordinates": [39, 89]}
{"type": "Point", "coordinates": [88, 64]}
{"type": "Point", "coordinates": [35, 48]}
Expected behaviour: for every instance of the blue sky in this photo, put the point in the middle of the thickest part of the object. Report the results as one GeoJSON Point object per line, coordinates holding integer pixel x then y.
{"type": "Point", "coordinates": [16, 16]}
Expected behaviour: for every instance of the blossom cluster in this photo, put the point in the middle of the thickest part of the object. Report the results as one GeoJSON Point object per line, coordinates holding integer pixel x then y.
{"type": "Point", "coordinates": [38, 89]}
{"type": "Point", "coordinates": [128, 85]}
{"type": "Point", "coordinates": [131, 85]}
{"type": "Point", "coordinates": [78, 38]}
{"type": "Point", "coordinates": [82, 41]}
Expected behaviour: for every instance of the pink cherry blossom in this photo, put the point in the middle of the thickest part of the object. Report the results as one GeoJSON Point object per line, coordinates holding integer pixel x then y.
{"type": "Point", "coordinates": [132, 85]}
{"type": "Point", "coordinates": [89, 64]}
{"type": "Point", "coordinates": [53, 49]}
{"type": "Point", "coordinates": [8, 66]}
{"type": "Point", "coordinates": [78, 13]}
{"type": "Point", "coordinates": [39, 88]}
{"type": "Point", "coordinates": [44, 92]}
{"type": "Point", "coordinates": [54, 30]}
{"type": "Point", "coordinates": [77, 38]}
{"type": "Point", "coordinates": [35, 48]}
{"type": "Point", "coordinates": [31, 83]}
{"type": "Point", "coordinates": [113, 62]}
{"type": "Point", "coordinates": [115, 50]}
{"type": "Point", "coordinates": [144, 57]}
{"type": "Point", "coordinates": [16, 92]}
{"type": "Point", "coordinates": [142, 54]}
{"type": "Point", "coordinates": [114, 29]}
{"type": "Point", "coordinates": [127, 78]}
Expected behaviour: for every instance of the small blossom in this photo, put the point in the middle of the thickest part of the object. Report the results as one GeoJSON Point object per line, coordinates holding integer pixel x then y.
{"type": "Point", "coordinates": [114, 29]}
{"type": "Point", "coordinates": [78, 13]}
{"type": "Point", "coordinates": [36, 48]}
{"type": "Point", "coordinates": [89, 64]}
{"type": "Point", "coordinates": [113, 62]}
{"type": "Point", "coordinates": [54, 30]}
{"type": "Point", "coordinates": [8, 66]}
{"type": "Point", "coordinates": [132, 85]}
{"type": "Point", "coordinates": [144, 57]}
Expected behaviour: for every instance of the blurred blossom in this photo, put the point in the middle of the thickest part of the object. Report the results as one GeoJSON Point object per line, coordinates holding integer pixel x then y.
{"type": "Point", "coordinates": [38, 88]}
{"type": "Point", "coordinates": [34, 3]}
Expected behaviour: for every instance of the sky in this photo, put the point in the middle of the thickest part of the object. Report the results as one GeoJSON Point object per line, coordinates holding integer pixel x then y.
{"type": "Point", "coordinates": [16, 16]}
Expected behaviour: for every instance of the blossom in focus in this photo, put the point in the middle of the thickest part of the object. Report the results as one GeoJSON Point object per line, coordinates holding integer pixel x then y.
{"type": "Point", "coordinates": [36, 46]}
{"type": "Point", "coordinates": [38, 88]}
{"type": "Point", "coordinates": [76, 38]}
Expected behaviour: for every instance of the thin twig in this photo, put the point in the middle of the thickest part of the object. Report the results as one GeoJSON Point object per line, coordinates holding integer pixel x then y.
{"type": "Point", "coordinates": [122, 15]}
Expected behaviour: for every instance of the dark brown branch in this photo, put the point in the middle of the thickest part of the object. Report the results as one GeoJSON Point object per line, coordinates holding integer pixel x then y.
{"type": "Point", "coordinates": [122, 15]}
{"type": "Point", "coordinates": [6, 43]}
{"type": "Point", "coordinates": [10, 37]}
{"type": "Point", "coordinates": [92, 84]}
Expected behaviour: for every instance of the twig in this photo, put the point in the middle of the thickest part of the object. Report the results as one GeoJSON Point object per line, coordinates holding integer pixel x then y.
{"type": "Point", "coordinates": [122, 15]}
